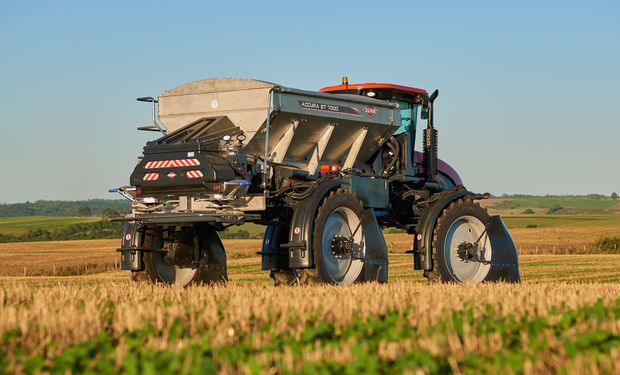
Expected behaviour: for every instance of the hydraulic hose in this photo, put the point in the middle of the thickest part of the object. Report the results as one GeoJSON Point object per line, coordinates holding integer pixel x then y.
{"type": "Point", "coordinates": [394, 147]}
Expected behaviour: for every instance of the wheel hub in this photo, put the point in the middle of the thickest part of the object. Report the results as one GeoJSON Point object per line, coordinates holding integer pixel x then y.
{"type": "Point", "coordinates": [467, 251]}
{"type": "Point", "coordinates": [341, 246]}
{"type": "Point", "coordinates": [178, 254]}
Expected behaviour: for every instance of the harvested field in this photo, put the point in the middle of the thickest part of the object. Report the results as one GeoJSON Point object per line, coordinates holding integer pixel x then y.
{"type": "Point", "coordinates": [66, 258]}
{"type": "Point", "coordinates": [568, 234]}
{"type": "Point", "coordinates": [563, 317]}
{"type": "Point", "coordinates": [580, 268]}
{"type": "Point", "coordinates": [501, 328]}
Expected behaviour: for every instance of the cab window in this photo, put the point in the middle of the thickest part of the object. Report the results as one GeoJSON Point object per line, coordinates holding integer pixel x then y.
{"type": "Point", "coordinates": [408, 115]}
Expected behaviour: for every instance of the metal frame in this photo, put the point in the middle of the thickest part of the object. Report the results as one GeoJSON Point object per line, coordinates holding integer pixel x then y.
{"type": "Point", "coordinates": [315, 159]}
{"type": "Point", "coordinates": [355, 149]}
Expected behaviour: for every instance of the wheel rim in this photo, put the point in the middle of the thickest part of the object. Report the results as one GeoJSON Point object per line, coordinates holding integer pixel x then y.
{"type": "Point", "coordinates": [343, 269]}
{"type": "Point", "coordinates": [172, 274]}
{"type": "Point", "coordinates": [467, 229]}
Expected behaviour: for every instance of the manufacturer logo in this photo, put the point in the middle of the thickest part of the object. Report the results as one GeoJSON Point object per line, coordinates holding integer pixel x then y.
{"type": "Point", "coordinates": [297, 230]}
{"type": "Point", "coordinates": [370, 110]}
{"type": "Point", "coordinates": [171, 175]}
{"type": "Point", "coordinates": [128, 237]}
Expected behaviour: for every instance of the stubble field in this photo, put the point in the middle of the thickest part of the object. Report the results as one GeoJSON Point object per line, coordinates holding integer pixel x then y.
{"type": "Point", "coordinates": [64, 308]}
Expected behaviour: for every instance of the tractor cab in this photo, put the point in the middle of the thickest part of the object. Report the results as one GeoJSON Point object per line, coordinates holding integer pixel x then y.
{"type": "Point", "coordinates": [408, 98]}
{"type": "Point", "coordinates": [410, 101]}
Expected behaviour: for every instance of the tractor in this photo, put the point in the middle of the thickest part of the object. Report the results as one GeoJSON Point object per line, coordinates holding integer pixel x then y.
{"type": "Point", "coordinates": [325, 171]}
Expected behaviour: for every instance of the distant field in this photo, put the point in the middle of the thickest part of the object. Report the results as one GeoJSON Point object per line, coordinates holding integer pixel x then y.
{"type": "Point", "coordinates": [550, 221]}
{"type": "Point", "coordinates": [254, 230]}
{"type": "Point", "coordinates": [578, 211]}
{"type": "Point", "coordinates": [573, 204]}
{"type": "Point", "coordinates": [17, 225]}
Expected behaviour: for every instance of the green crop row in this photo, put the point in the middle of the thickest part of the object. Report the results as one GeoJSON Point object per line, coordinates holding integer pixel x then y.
{"type": "Point", "coordinates": [461, 341]}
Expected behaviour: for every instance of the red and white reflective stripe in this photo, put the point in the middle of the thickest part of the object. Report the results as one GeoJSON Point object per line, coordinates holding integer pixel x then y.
{"type": "Point", "coordinates": [194, 174]}
{"type": "Point", "coordinates": [172, 163]}
{"type": "Point", "coordinates": [151, 177]}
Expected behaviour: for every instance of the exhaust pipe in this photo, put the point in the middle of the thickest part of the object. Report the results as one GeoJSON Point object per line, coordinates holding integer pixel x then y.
{"type": "Point", "coordinates": [430, 142]}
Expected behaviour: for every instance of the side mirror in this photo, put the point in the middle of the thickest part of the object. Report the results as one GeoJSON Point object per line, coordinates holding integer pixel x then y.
{"type": "Point", "coordinates": [424, 113]}
{"type": "Point", "coordinates": [147, 99]}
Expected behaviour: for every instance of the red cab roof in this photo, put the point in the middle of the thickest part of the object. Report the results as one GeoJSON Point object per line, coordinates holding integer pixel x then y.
{"type": "Point", "coordinates": [367, 86]}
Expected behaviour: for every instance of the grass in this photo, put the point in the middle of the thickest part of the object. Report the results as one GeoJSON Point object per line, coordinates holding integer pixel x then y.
{"type": "Point", "coordinates": [17, 225]}
{"type": "Point", "coordinates": [574, 203]}
{"type": "Point", "coordinates": [554, 221]}
{"type": "Point", "coordinates": [254, 230]}
{"type": "Point", "coordinates": [371, 328]}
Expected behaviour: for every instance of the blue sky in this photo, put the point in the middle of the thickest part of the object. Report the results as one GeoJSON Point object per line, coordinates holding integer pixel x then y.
{"type": "Point", "coordinates": [528, 89]}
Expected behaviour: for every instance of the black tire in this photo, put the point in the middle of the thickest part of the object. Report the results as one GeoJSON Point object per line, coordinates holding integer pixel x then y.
{"type": "Point", "coordinates": [319, 274]}
{"type": "Point", "coordinates": [211, 269]}
{"type": "Point", "coordinates": [336, 201]}
{"type": "Point", "coordinates": [462, 219]}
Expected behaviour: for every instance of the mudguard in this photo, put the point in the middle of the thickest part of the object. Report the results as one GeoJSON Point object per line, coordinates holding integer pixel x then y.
{"type": "Point", "coordinates": [504, 263]}
{"type": "Point", "coordinates": [132, 251]}
{"type": "Point", "coordinates": [215, 265]}
{"type": "Point", "coordinates": [132, 258]}
{"type": "Point", "coordinates": [300, 237]}
{"type": "Point", "coordinates": [302, 225]}
{"type": "Point", "coordinates": [272, 257]}
{"type": "Point", "coordinates": [376, 256]}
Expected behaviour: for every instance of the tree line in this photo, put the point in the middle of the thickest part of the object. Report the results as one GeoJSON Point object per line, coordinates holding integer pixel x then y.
{"type": "Point", "coordinates": [613, 195]}
{"type": "Point", "coordinates": [84, 231]}
{"type": "Point", "coordinates": [91, 207]}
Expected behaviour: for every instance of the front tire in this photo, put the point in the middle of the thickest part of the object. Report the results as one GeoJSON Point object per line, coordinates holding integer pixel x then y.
{"type": "Point", "coordinates": [462, 250]}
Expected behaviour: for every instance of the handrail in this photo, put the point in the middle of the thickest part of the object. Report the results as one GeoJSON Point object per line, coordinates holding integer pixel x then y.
{"type": "Point", "coordinates": [266, 154]}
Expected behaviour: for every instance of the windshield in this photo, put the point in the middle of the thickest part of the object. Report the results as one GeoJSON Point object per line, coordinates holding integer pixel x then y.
{"type": "Point", "coordinates": [408, 116]}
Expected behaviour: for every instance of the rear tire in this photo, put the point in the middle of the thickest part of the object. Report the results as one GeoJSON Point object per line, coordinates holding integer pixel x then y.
{"type": "Point", "coordinates": [462, 222]}
{"type": "Point", "coordinates": [340, 213]}
{"type": "Point", "coordinates": [339, 216]}
{"type": "Point", "coordinates": [210, 270]}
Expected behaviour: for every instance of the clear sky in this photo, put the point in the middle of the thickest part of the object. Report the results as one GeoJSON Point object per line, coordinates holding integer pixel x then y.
{"type": "Point", "coordinates": [529, 89]}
